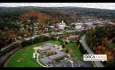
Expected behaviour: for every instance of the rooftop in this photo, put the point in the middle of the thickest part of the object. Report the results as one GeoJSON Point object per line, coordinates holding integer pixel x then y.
{"type": "Point", "coordinates": [46, 60]}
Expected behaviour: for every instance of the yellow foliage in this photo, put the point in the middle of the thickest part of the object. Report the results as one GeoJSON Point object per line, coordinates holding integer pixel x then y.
{"type": "Point", "coordinates": [108, 52]}
{"type": "Point", "coordinates": [78, 46]}
{"type": "Point", "coordinates": [109, 58]}
{"type": "Point", "coordinates": [51, 52]}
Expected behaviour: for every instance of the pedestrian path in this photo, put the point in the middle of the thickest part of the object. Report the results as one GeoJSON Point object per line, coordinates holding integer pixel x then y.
{"type": "Point", "coordinates": [38, 58]}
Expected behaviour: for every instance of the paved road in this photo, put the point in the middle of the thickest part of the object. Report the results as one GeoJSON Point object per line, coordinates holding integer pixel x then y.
{"type": "Point", "coordinates": [83, 42]}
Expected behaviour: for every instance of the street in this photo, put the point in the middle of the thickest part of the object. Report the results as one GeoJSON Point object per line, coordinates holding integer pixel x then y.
{"type": "Point", "coordinates": [83, 42]}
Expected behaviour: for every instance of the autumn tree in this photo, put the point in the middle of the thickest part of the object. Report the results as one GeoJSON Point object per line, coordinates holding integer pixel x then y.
{"type": "Point", "coordinates": [78, 46]}
{"type": "Point", "coordinates": [51, 52]}
{"type": "Point", "coordinates": [6, 29]}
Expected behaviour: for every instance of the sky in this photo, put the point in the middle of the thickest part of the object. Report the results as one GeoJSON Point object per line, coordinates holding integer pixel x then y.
{"type": "Point", "coordinates": [110, 6]}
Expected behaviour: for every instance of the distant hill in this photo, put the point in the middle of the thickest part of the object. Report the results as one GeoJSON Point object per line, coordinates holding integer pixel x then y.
{"type": "Point", "coordinates": [74, 11]}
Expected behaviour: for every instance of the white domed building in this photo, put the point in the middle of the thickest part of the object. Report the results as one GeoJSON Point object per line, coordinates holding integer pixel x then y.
{"type": "Point", "coordinates": [61, 25]}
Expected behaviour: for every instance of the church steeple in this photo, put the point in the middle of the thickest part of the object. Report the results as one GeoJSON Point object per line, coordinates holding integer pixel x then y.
{"type": "Point", "coordinates": [62, 21]}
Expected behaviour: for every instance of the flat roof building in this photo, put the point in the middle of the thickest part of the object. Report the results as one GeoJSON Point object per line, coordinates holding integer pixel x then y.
{"type": "Point", "coordinates": [46, 60]}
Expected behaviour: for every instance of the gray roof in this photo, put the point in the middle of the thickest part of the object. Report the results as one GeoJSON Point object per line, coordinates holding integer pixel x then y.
{"type": "Point", "coordinates": [61, 54]}
{"type": "Point", "coordinates": [56, 50]}
{"type": "Point", "coordinates": [49, 44]}
{"type": "Point", "coordinates": [46, 60]}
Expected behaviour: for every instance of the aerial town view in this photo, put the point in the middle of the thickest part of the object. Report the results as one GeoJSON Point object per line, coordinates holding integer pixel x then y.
{"type": "Point", "coordinates": [48, 35]}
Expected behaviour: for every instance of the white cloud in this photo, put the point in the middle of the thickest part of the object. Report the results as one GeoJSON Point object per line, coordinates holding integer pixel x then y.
{"type": "Point", "coordinates": [88, 5]}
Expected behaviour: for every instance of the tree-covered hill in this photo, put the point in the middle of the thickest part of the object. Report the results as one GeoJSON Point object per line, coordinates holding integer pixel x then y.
{"type": "Point", "coordinates": [74, 11]}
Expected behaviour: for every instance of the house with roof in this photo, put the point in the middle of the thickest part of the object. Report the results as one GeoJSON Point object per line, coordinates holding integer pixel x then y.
{"type": "Point", "coordinates": [74, 38]}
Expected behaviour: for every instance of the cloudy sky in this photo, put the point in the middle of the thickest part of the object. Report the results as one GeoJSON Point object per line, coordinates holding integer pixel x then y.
{"type": "Point", "coordinates": [87, 5]}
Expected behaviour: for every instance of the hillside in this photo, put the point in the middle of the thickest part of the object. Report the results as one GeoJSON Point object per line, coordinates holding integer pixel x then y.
{"type": "Point", "coordinates": [74, 11]}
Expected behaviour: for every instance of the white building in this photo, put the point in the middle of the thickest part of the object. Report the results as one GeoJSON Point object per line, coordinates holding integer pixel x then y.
{"type": "Point", "coordinates": [61, 25]}
{"type": "Point", "coordinates": [78, 27]}
{"type": "Point", "coordinates": [34, 55]}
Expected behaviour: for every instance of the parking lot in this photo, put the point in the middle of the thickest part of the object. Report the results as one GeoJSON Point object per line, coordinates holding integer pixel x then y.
{"type": "Point", "coordinates": [66, 63]}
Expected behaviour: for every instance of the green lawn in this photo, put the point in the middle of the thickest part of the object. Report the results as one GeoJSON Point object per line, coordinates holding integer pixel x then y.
{"type": "Point", "coordinates": [23, 58]}
{"type": "Point", "coordinates": [76, 52]}
{"type": "Point", "coordinates": [55, 42]}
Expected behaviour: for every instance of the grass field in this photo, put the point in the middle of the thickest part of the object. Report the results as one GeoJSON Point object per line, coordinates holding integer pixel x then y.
{"type": "Point", "coordinates": [23, 58]}
{"type": "Point", "coordinates": [72, 47]}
